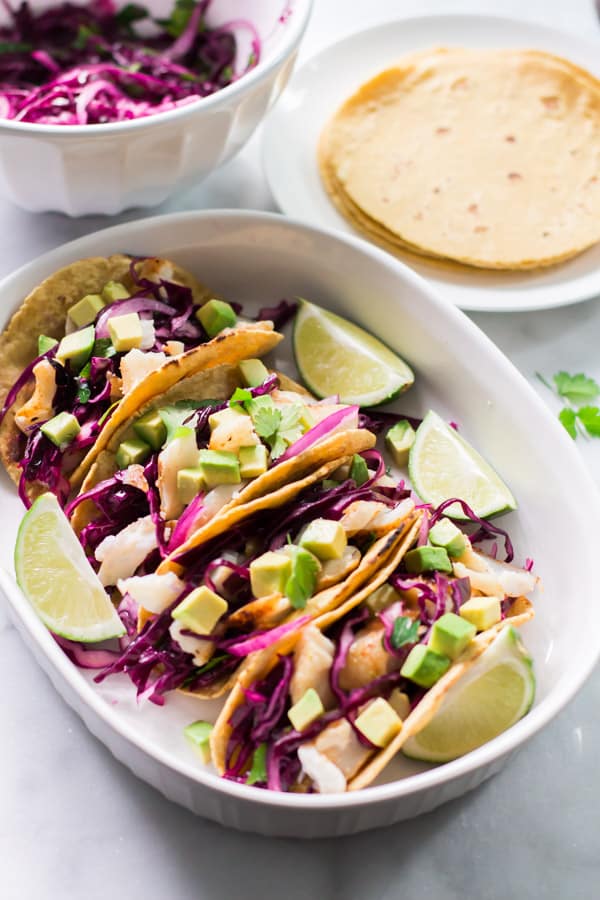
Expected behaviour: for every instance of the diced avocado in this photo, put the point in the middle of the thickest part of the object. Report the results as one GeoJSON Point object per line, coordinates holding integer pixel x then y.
{"type": "Point", "coordinates": [190, 483]}
{"type": "Point", "coordinates": [450, 635]}
{"type": "Point", "coordinates": [342, 473]}
{"type": "Point", "coordinates": [269, 573]}
{"type": "Point", "coordinates": [216, 315]}
{"type": "Point", "coordinates": [151, 428]}
{"type": "Point", "coordinates": [424, 667]}
{"type": "Point", "coordinates": [379, 722]}
{"type": "Point", "coordinates": [200, 611]}
{"type": "Point", "coordinates": [254, 372]}
{"type": "Point", "coordinates": [325, 538]}
{"type": "Point", "coordinates": [427, 559]}
{"type": "Point", "coordinates": [447, 535]}
{"type": "Point", "coordinates": [306, 710]}
{"type": "Point", "coordinates": [114, 290]}
{"type": "Point", "coordinates": [381, 598]}
{"type": "Point", "coordinates": [329, 483]}
{"type": "Point", "coordinates": [45, 343]}
{"type": "Point", "coordinates": [132, 452]}
{"type": "Point", "coordinates": [254, 460]}
{"type": "Point", "coordinates": [126, 332]}
{"type": "Point", "coordinates": [219, 467]}
{"type": "Point", "coordinates": [359, 471]}
{"type": "Point", "coordinates": [85, 310]}
{"type": "Point", "coordinates": [482, 612]}
{"type": "Point", "coordinates": [76, 348]}
{"type": "Point", "coordinates": [229, 417]}
{"type": "Point", "coordinates": [400, 703]}
{"type": "Point", "coordinates": [198, 735]}
{"type": "Point", "coordinates": [399, 440]}
{"type": "Point", "coordinates": [61, 429]}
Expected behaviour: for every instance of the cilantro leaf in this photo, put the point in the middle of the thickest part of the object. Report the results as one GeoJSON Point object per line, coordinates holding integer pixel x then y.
{"type": "Point", "coordinates": [129, 13]}
{"type": "Point", "coordinates": [576, 388]}
{"type": "Point", "coordinates": [589, 416]}
{"type": "Point", "coordinates": [15, 47]}
{"type": "Point", "coordinates": [568, 418]}
{"type": "Point", "coordinates": [83, 392]}
{"type": "Point", "coordinates": [302, 582]}
{"type": "Point", "coordinates": [266, 418]}
{"type": "Point", "coordinates": [258, 769]}
{"type": "Point", "coordinates": [239, 397]}
{"type": "Point", "coordinates": [179, 18]}
{"type": "Point", "coordinates": [103, 347]}
{"type": "Point", "coordinates": [405, 631]}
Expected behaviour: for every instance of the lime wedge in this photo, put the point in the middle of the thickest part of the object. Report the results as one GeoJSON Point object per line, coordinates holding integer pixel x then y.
{"type": "Point", "coordinates": [57, 579]}
{"type": "Point", "coordinates": [495, 693]}
{"type": "Point", "coordinates": [442, 465]}
{"type": "Point", "coordinates": [336, 357]}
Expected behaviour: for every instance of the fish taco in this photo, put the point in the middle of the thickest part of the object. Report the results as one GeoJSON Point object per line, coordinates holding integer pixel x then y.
{"type": "Point", "coordinates": [327, 709]}
{"type": "Point", "coordinates": [91, 344]}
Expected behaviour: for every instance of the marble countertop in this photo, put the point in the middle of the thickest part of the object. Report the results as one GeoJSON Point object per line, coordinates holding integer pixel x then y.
{"type": "Point", "coordinates": [75, 823]}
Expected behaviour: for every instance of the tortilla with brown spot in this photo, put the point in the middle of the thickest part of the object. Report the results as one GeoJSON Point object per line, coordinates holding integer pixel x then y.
{"type": "Point", "coordinates": [520, 611]}
{"type": "Point", "coordinates": [485, 157]}
{"type": "Point", "coordinates": [325, 608]}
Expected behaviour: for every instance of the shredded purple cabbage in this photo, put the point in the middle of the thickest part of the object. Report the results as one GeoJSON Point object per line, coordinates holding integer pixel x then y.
{"type": "Point", "coordinates": [89, 65]}
{"type": "Point", "coordinates": [485, 531]}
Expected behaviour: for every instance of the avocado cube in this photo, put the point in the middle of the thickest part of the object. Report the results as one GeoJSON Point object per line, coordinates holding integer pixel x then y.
{"type": "Point", "coordinates": [61, 430]}
{"type": "Point", "coordinates": [254, 372]}
{"type": "Point", "coordinates": [306, 710]}
{"type": "Point", "coordinates": [219, 467]}
{"type": "Point", "coordinates": [400, 703]}
{"type": "Point", "coordinates": [447, 535]}
{"type": "Point", "coordinates": [76, 348]}
{"type": "Point", "coordinates": [329, 483]}
{"type": "Point", "coordinates": [482, 612]}
{"type": "Point", "coordinates": [269, 573]}
{"type": "Point", "coordinates": [198, 736]}
{"type": "Point", "coordinates": [190, 483]}
{"type": "Point", "coordinates": [379, 722]}
{"type": "Point", "coordinates": [216, 315]}
{"type": "Point", "coordinates": [200, 611]}
{"type": "Point", "coordinates": [450, 635]}
{"type": "Point", "coordinates": [399, 440]}
{"type": "Point", "coordinates": [424, 667]}
{"type": "Point", "coordinates": [427, 559]}
{"type": "Point", "coordinates": [126, 332]}
{"type": "Point", "coordinates": [325, 538]}
{"type": "Point", "coordinates": [114, 290]}
{"type": "Point", "coordinates": [45, 343]}
{"type": "Point", "coordinates": [359, 471]}
{"type": "Point", "coordinates": [85, 310]}
{"type": "Point", "coordinates": [381, 598]}
{"type": "Point", "coordinates": [254, 460]}
{"type": "Point", "coordinates": [151, 428]}
{"type": "Point", "coordinates": [132, 452]}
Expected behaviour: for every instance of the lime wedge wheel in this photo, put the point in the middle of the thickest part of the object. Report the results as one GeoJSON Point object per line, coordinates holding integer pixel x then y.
{"type": "Point", "coordinates": [495, 693]}
{"type": "Point", "coordinates": [336, 357]}
{"type": "Point", "coordinates": [57, 579]}
{"type": "Point", "coordinates": [442, 465]}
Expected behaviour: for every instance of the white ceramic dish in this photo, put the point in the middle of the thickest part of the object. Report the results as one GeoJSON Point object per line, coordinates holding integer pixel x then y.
{"type": "Point", "coordinates": [85, 169]}
{"type": "Point", "coordinates": [325, 81]}
{"type": "Point", "coordinates": [257, 258]}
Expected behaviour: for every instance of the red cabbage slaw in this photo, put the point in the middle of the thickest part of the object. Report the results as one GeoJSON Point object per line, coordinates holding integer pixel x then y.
{"type": "Point", "coordinates": [94, 64]}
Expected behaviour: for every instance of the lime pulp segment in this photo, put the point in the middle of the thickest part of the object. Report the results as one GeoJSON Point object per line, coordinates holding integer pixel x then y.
{"type": "Point", "coordinates": [57, 579]}
{"type": "Point", "coordinates": [335, 356]}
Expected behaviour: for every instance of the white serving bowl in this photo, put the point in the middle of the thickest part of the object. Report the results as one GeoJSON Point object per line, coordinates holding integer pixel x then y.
{"type": "Point", "coordinates": [257, 258]}
{"type": "Point", "coordinates": [86, 169]}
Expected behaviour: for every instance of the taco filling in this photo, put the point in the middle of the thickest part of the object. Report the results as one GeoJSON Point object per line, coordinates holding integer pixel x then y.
{"type": "Point", "coordinates": [358, 681]}
{"type": "Point", "coordinates": [99, 348]}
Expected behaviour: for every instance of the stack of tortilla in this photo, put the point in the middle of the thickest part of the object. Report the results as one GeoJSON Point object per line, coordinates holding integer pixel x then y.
{"type": "Point", "coordinates": [490, 158]}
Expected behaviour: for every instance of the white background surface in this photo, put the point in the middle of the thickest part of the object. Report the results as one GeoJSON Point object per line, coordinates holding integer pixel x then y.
{"type": "Point", "coordinates": [75, 824]}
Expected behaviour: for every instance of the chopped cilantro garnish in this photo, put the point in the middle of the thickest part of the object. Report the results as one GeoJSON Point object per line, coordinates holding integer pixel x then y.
{"type": "Point", "coordinates": [83, 393]}
{"type": "Point", "coordinates": [303, 580]}
{"type": "Point", "coordinates": [405, 631]}
{"type": "Point", "coordinates": [576, 390]}
{"type": "Point", "coordinates": [239, 397]}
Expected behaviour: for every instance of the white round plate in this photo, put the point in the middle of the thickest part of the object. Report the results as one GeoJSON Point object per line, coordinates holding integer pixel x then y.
{"type": "Point", "coordinates": [318, 89]}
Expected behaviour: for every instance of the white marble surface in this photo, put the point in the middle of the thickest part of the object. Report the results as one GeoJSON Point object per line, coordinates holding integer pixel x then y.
{"type": "Point", "coordinates": [75, 824]}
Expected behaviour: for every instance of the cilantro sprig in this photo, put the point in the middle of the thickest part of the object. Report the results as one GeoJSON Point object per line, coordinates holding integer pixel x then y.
{"type": "Point", "coordinates": [278, 428]}
{"type": "Point", "coordinates": [577, 416]}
